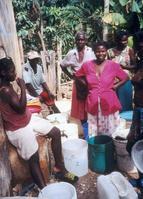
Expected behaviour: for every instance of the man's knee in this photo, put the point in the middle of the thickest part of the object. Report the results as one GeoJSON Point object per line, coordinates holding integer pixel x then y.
{"type": "Point", "coordinates": [54, 133]}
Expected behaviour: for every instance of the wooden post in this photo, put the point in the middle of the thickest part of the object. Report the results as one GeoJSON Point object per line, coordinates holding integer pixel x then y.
{"type": "Point", "coordinates": [5, 171]}
{"type": "Point", "coordinates": [50, 70]}
{"type": "Point", "coordinates": [8, 36]}
{"type": "Point", "coordinates": [59, 71]}
{"type": "Point", "coordinates": [21, 50]}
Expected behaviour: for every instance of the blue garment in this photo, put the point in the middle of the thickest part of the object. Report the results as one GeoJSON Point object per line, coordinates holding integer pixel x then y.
{"type": "Point", "coordinates": [125, 95]}
{"type": "Point", "coordinates": [136, 129]}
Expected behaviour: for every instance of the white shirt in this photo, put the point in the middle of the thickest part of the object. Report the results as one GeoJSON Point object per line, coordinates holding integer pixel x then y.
{"type": "Point", "coordinates": [72, 57]}
{"type": "Point", "coordinates": [35, 79]}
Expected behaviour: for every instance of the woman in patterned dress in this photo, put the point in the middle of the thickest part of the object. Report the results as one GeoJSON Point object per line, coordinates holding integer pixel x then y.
{"type": "Point", "coordinates": [102, 104]}
{"type": "Point", "coordinates": [123, 55]}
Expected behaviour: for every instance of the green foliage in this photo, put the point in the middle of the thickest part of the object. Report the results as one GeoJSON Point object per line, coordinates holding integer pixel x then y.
{"type": "Point", "coordinates": [58, 20]}
{"type": "Point", "coordinates": [124, 2]}
{"type": "Point", "coordinates": [128, 9]}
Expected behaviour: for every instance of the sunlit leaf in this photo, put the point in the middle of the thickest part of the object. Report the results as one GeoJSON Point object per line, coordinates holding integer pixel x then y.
{"type": "Point", "coordinates": [114, 19]}
{"type": "Point", "coordinates": [124, 2]}
{"type": "Point", "coordinates": [135, 7]}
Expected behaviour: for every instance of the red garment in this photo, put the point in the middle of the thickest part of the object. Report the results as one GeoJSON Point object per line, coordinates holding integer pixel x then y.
{"type": "Point", "coordinates": [77, 106]}
{"type": "Point", "coordinates": [48, 101]}
{"type": "Point", "coordinates": [12, 120]}
{"type": "Point", "coordinates": [101, 87]}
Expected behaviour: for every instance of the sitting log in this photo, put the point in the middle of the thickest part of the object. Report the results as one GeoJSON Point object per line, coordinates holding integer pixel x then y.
{"type": "Point", "coordinates": [5, 171]}
{"type": "Point", "coordinates": [19, 167]}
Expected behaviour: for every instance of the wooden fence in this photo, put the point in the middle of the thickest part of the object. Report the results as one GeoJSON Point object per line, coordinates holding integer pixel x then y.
{"type": "Point", "coordinates": [57, 81]}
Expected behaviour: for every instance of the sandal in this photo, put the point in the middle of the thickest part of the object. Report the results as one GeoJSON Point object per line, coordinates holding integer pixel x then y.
{"type": "Point", "coordinates": [136, 182]}
{"type": "Point", "coordinates": [66, 177]}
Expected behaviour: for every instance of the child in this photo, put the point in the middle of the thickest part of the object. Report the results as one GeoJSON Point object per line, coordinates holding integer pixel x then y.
{"type": "Point", "coordinates": [19, 129]}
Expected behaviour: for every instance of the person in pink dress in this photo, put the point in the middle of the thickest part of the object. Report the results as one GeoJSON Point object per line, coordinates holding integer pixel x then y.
{"type": "Point", "coordinates": [102, 103]}
{"type": "Point", "coordinates": [72, 62]}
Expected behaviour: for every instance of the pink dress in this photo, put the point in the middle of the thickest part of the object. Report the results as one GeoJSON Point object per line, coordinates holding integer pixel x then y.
{"type": "Point", "coordinates": [102, 101]}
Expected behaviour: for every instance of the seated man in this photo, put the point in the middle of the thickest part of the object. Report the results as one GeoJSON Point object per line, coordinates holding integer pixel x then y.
{"type": "Point", "coordinates": [35, 83]}
{"type": "Point", "coordinates": [20, 127]}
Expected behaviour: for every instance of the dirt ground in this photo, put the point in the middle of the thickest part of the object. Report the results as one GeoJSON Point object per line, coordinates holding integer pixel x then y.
{"type": "Point", "coordinates": [86, 186]}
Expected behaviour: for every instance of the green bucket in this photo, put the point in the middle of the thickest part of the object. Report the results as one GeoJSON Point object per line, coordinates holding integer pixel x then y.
{"type": "Point", "coordinates": [101, 154]}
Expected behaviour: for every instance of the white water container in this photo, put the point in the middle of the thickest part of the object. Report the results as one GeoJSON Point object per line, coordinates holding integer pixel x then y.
{"type": "Point", "coordinates": [75, 156]}
{"type": "Point", "coordinates": [68, 131]}
{"type": "Point", "coordinates": [60, 190]}
{"type": "Point", "coordinates": [115, 186]}
{"type": "Point", "coordinates": [137, 155]}
{"type": "Point", "coordinates": [57, 118]}
{"type": "Point", "coordinates": [105, 188]}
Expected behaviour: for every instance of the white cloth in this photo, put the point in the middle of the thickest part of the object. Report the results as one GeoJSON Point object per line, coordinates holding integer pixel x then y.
{"type": "Point", "coordinates": [72, 57]}
{"type": "Point", "coordinates": [24, 139]}
{"type": "Point", "coordinates": [103, 124]}
{"type": "Point", "coordinates": [35, 79]}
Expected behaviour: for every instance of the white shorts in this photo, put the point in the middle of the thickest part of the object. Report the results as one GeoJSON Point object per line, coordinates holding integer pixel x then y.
{"type": "Point", "coordinates": [24, 139]}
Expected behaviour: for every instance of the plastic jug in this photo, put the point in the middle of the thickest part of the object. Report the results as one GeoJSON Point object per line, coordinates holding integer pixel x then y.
{"type": "Point", "coordinates": [60, 190]}
{"type": "Point", "coordinates": [68, 131]}
{"type": "Point", "coordinates": [137, 155]}
{"type": "Point", "coordinates": [115, 186]}
{"type": "Point", "coordinates": [75, 156]}
{"type": "Point", "coordinates": [101, 153]}
{"type": "Point", "coordinates": [57, 118]}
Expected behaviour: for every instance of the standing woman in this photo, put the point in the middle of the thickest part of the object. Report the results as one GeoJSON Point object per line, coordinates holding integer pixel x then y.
{"type": "Point", "coordinates": [72, 62]}
{"type": "Point", "coordinates": [102, 104]}
{"type": "Point", "coordinates": [123, 55]}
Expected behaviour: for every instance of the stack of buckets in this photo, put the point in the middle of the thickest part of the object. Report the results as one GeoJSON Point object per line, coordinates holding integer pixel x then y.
{"type": "Point", "coordinates": [100, 152]}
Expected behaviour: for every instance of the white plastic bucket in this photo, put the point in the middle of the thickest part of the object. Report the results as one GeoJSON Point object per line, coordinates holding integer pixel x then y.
{"type": "Point", "coordinates": [116, 186]}
{"type": "Point", "coordinates": [68, 131]}
{"type": "Point", "coordinates": [137, 155]}
{"type": "Point", "coordinates": [75, 156]}
{"type": "Point", "coordinates": [60, 190]}
{"type": "Point", "coordinates": [57, 118]}
{"type": "Point", "coordinates": [124, 161]}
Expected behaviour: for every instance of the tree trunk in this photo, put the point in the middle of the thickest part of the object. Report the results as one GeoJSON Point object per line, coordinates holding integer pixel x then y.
{"type": "Point", "coordinates": [8, 36]}
{"type": "Point", "coordinates": [5, 171]}
{"type": "Point", "coordinates": [105, 26]}
{"type": "Point", "coordinates": [59, 71]}
{"type": "Point", "coordinates": [20, 168]}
